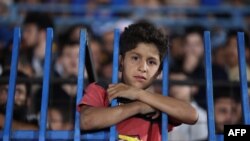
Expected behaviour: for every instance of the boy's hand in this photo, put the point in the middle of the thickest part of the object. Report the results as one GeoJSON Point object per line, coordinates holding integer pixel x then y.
{"type": "Point", "coordinates": [123, 91]}
{"type": "Point", "coordinates": [146, 109]}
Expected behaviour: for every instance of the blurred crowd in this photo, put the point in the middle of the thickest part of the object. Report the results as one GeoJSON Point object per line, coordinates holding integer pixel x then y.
{"type": "Point", "coordinates": [186, 53]}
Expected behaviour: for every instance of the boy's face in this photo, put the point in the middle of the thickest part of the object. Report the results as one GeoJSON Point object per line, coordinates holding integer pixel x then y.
{"type": "Point", "coordinates": [140, 66]}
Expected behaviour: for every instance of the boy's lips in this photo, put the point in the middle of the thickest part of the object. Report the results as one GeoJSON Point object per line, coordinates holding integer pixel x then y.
{"type": "Point", "coordinates": [139, 77]}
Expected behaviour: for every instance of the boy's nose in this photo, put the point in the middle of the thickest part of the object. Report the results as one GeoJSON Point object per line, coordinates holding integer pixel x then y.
{"type": "Point", "coordinates": [142, 67]}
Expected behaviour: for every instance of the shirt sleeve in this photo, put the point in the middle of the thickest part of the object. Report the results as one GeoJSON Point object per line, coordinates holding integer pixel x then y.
{"type": "Point", "coordinates": [94, 95]}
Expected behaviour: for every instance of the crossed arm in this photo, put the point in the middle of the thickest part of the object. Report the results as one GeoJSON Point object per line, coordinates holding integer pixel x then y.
{"type": "Point", "coordinates": [145, 102]}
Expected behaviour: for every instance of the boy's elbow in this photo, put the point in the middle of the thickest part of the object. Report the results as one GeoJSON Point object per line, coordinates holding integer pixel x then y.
{"type": "Point", "coordinates": [194, 117]}
{"type": "Point", "coordinates": [86, 123]}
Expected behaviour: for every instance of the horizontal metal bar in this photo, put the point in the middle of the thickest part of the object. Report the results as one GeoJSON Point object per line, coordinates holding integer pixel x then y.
{"type": "Point", "coordinates": [56, 135]}
{"type": "Point", "coordinates": [128, 8]}
{"type": "Point", "coordinates": [78, 13]}
{"type": "Point", "coordinates": [5, 80]}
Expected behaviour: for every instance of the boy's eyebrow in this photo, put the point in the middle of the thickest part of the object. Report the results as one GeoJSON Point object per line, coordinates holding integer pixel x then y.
{"type": "Point", "coordinates": [132, 52]}
{"type": "Point", "coordinates": [151, 57]}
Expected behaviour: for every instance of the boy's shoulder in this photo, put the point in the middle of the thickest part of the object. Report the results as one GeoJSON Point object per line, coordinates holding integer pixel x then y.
{"type": "Point", "coordinates": [103, 84]}
{"type": "Point", "coordinates": [98, 85]}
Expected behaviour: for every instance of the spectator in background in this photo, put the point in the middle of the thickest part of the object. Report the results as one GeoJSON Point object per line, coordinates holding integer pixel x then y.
{"type": "Point", "coordinates": [73, 33]}
{"type": "Point", "coordinates": [106, 71]}
{"type": "Point", "coordinates": [194, 49]}
{"type": "Point", "coordinates": [62, 93]}
{"type": "Point", "coordinates": [225, 107]}
{"type": "Point", "coordinates": [193, 62]}
{"type": "Point", "coordinates": [231, 55]}
{"type": "Point", "coordinates": [219, 56]}
{"type": "Point", "coordinates": [108, 40]}
{"type": "Point", "coordinates": [176, 50]}
{"type": "Point", "coordinates": [21, 118]}
{"type": "Point", "coordinates": [34, 39]}
{"type": "Point", "coordinates": [24, 64]}
{"type": "Point", "coordinates": [184, 132]}
{"type": "Point", "coordinates": [60, 117]}
{"type": "Point", "coordinates": [68, 59]}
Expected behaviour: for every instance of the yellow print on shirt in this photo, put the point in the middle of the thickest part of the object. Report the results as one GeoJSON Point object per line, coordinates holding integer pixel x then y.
{"type": "Point", "coordinates": [127, 138]}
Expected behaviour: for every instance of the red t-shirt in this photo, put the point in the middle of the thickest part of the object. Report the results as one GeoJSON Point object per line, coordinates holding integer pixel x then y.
{"type": "Point", "coordinates": [96, 96]}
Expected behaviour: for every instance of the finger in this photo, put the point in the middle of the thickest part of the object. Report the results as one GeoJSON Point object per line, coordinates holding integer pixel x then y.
{"type": "Point", "coordinates": [114, 87]}
{"type": "Point", "coordinates": [112, 91]}
{"type": "Point", "coordinates": [111, 85]}
{"type": "Point", "coordinates": [111, 97]}
{"type": "Point", "coordinates": [156, 115]}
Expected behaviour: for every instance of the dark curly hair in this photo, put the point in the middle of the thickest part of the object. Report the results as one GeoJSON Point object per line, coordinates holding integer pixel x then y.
{"type": "Point", "coordinates": [143, 32]}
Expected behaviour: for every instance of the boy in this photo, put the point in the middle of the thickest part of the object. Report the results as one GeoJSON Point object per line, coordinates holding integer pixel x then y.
{"type": "Point", "coordinates": [142, 49]}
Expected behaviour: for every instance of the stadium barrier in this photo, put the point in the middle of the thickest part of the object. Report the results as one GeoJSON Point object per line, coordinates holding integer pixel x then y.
{"type": "Point", "coordinates": [224, 16]}
{"type": "Point", "coordinates": [42, 134]}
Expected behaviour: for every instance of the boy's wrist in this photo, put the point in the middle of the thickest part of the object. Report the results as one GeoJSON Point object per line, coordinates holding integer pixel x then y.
{"type": "Point", "coordinates": [140, 94]}
{"type": "Point", "coordinates": [140, 107]}
{"type": "Point", "coordinates": [137, 105]}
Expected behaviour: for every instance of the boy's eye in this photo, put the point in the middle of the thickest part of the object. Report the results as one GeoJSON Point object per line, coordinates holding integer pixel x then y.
{"type": "Point", "coordinates": [135, 58]}
{"type": "Point", "coordinates": [152, 62]}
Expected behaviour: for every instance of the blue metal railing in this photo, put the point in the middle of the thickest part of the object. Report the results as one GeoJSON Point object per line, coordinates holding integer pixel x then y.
{"type": "Point", "coordinates": [42, 134]}
{"type": "Point", "coordinates": [46, 80]}
{"type": "Point", "coordinates": [235, 16]}
{"type": "Point", "coordinates": [12, 85]}
{"type": "Point", "coordinates": [113, 132]}
{"type": "Point", "coordinates": [243, 77]}
{"type": "Point", "coordinates": [209, 87]}
{"type": "Point", "coordinates": [80, 82]}
{"type": "Point", "coordinates": [165, 86]}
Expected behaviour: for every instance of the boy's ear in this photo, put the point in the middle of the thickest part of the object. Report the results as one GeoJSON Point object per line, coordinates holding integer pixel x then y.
{"type": "Point", "coordinates": [120, 63]}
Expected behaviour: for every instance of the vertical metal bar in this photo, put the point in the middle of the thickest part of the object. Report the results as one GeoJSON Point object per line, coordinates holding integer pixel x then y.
{"type": "Point", "coordinates": [46, 78]}
{"type": "Point", "coordinates": [209, 87]}
{"type": "Point", "coordinates": [113, 132]}
{"type": "Point", "coordinates": [243, 77]}
{"type": "Point", "coordinates": [219, 137]}
{"type": "Point", "coordinates": [164, 126]}
{"type": "Point", "coordinates": [80, 81]}
{"type": "Point", "coordinates": [12, 85]}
